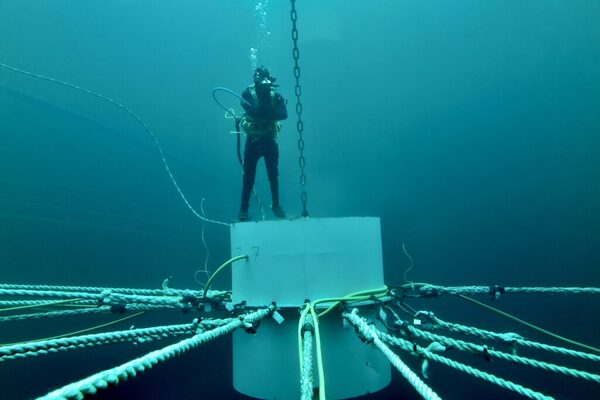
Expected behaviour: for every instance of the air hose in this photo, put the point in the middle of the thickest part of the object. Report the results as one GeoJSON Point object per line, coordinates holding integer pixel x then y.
{"type": "Point", "coordinates": [232, 113]}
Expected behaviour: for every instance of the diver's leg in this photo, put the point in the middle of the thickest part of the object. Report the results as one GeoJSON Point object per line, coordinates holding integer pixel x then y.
{"type": "Point", "coordinates": [271, 162]}
{"type": "Point", "coordinates": [251, 156]}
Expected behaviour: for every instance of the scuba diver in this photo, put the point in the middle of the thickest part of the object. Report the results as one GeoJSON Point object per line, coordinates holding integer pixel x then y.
{"type": "Point", "coordinates": [264, 108]}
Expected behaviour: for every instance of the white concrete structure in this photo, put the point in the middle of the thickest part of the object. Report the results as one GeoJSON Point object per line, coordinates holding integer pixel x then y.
{"type": "Point", "coordinates": [290, 261]}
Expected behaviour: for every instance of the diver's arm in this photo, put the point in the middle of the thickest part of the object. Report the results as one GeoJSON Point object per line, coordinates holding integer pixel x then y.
{"type": "Point", "coordinates": [248, 105]}
{"type": "Point", "coordinates": [276, 112]}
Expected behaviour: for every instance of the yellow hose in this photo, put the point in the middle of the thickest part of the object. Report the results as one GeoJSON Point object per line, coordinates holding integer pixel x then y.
{"type": "Point", "coordinates": [310, 308]}
{"type": "Point", "coordinates": [214, 274]}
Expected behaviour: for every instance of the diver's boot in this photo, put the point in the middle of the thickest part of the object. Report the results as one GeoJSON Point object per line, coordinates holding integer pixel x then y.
{"type": "Point", "coordinates": [243, 215]}
{"type": "Point", "coordinates": [278, 211]}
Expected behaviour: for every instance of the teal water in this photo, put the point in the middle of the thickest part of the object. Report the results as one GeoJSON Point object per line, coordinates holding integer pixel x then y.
{"type": "Point", "coordinates": [471, 128]}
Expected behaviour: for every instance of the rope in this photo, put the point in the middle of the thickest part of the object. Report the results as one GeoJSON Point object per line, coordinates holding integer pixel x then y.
{"type": "Point", "coordinates": [70, 313]}
{"type": "Point", "coordinates": [408, 346]}
{"type": "Point", "coordinates": [52, 314]}
{"type": "Point", "coordinates": [371, 334]}
{"type": "Point", "coordinates": [91, 384]}
{"type": "Point", "coordinates": [107, 297]}
{"type": "Point", "coordinates": [134, 116]}
{"type": "Point", "coordinates": [150, 292]}
{"type": "Point", "coordinates": [571, 290]}
{"type": "Point", "coordinates": [204, 269]}
{"type": "Point", "coordinates": [352, 297]}
{"type": "Point", "coordinates": [428, 290]}
{"type": "Point", "coordinates": [434, 290]}
{"type": "Point", "coordinates": [511, 338]}
{"type": "Point", "coordinates": [119, 299]}
{"type": "Point", "coordinates": [477, 349]}
{"type": "Point", "coordinates": [226, 263]}
{"type": "Point", "coordinates": [306, 370]}
{"type": "Point", "coordinates": [309, 309]}
{"type": "Point", "coordinates": [421, 352]}
{"type": "Point", "coordinates": [15, 303]}
{"type": "Point", "coordinates": [320, 367]}
{"type": "Point", "coordinates": [364, 295]}
{"type": "Point", "coordinates": [44, 347]}
{"type": "Point", "coordinates": [557, 349]}
{"type": "Point", "coordinates": [49, 293]}
{"type": "Point", "coordinates": [39, 304]}
{"type": "Point", "coordinates": [410, 266]}
{"type": "Point", "coordinates": [532, 326]}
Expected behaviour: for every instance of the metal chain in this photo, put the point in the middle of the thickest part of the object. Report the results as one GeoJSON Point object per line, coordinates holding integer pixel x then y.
{"type": "Point", "coordinates": [299, 123]}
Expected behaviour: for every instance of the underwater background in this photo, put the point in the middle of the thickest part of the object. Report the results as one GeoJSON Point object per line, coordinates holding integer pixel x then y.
{"type": "Point", "coordinates": [471, 128]}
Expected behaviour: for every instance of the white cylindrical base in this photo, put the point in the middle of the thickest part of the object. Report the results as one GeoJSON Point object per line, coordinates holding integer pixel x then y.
{"type": "Point", "coordinates": [289, 262]}
{"type": "Point", "coordinates": [267, 366]}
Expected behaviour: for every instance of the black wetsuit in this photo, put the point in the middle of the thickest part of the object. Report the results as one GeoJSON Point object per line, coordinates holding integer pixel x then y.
{"type": "Point", "coordinates": [270, 108]}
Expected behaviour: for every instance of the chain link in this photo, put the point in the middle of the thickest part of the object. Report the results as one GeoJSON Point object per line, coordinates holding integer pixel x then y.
{"type": "Point", "coordinates": [299, 123]}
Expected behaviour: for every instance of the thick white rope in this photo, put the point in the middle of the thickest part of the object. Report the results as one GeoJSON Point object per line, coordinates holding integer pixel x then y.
{"type": "Point", "coordinates": [306, 373]}
{"type": "Point", "coordinates": [107, 297]}
{"type": "Point", "coordinates": [44, 347]}
{"type": "Point", "coordinates": [95, 289]}
{"type": "Point", "coordinates": [422, 352]}
{"type": "Point", "coordinates": [431, 290]}
{"type": "Point", "coordinates": [407, 346]}
{"type": "Point", "coordinates": [70, 313]}
{"type": "Point", "coordinates": [478, 349]}
{"type": "Point", "coordinates": [508, 338]}
{"type": "Point", "coordinates": [515, 387]}
{"type": "Point", "coordinates": [372, 334]}
{"type": "Point", "coordinates": [50, 294]}
{"type": "Point", "coordinates": [101, 380]}
{"type": "Point", "coordinates": [13, 303]}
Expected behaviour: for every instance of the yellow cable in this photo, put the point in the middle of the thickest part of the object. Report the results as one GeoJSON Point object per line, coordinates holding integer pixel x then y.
{"type": "Point", "coordinates": [80, 331]}
{"type": "Point", "coordinates": [320, 367]}
{"type": "Point", "coordinates": [362, 295]}
{"type": "Point", "coordinates": [529, 325]}
{"type": "Point", "coordinates": [339, 300]}
{"type": "Point", "coordinates": [52, 303]}
{"type": "Point", "coordinates": [214, 274]}
{"type": "Point", "coordinates": [310, 308]}
{"type": "Point", "coordinates": [76, 305]}
{"type": "Point", "coordinates": [413, 284]}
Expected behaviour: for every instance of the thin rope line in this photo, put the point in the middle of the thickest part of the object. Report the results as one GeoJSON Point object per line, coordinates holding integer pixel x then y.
{"type": "Point", "coordinates": [205, 269]}
{"type": "Point", "coordinates": [136, 117]}
{"type": "Point", "coordinates": [411, 264]}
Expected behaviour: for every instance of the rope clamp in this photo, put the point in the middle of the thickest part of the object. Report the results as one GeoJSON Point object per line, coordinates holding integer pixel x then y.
{"type": "Point", "coordinates": [308, 327]}
{"type": "Point", "coordinates": [240, 306]}
{"type": "Point", "coordinates": [190, 301]}
{"type": "Point", "coordinates": [251, 328]}
{"type": "Point", "coordinates": [344, 306]}
{"type": "Point", "coordinates": [495, 291]}
{"type": "Point", "coordinates": [118, 308]}
{"type": "Point", "coordinates": [424, 318]}
{"type": "Point", "coordinates": [429, 292]}
{"type": "Point", "coordinates": [486, 355]}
